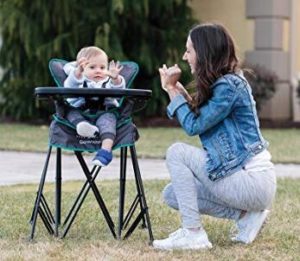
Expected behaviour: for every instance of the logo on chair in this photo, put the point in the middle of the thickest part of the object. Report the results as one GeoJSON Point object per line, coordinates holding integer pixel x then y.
{"type": "Point", "coordinates": [85, 140]}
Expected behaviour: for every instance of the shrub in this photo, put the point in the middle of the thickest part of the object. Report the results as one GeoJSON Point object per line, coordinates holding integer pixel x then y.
{"type": "Point", "coordinates": [262, 82]}
{"type": "Point", "coordinates": [148, 32]}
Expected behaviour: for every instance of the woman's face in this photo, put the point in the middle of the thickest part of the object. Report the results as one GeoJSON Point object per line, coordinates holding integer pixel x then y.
{"type": "Point", "coordinates": [190, 55]}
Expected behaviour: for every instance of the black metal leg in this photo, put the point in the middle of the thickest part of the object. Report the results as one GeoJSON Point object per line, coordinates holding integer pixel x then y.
{"type": "Point", "coordinates": [52, 223]}
{"type": "Point", "coordinates": [97, 194]}
{"type": "Point", "coordinates": [123, 161]}
{"type": "Point", "coordinates": [81, 196]}
{"type": "Point", "coordinates": [39, 194]}
{"type": "Point", "coordinates": [78, 203]}
{"type": "Point", "coordinates": [130, 212]}
{"type": "Point", "coordinates": [58, 191]}
{"type": "Point", "coordinates": [141, 192]}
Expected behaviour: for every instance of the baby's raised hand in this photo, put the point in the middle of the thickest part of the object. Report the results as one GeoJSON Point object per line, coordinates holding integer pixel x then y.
{"type": "Point", "coordinates": [114, 69]}
{"type": "Point", "coordinates": [81, 63]}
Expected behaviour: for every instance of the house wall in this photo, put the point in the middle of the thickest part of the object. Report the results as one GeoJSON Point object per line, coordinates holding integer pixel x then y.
{"type": "Point", "coordinates": [295, 57]}
{"type": "Point", "coordinates": [230, 13]}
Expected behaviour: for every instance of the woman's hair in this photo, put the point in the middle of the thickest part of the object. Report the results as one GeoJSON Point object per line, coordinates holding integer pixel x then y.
{"type": "Point", "coordinates": [90, 51]}
{"type": "Point", "coordinates": [216, 56]}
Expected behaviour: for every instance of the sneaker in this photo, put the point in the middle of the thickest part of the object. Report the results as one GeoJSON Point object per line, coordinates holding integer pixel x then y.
{"type": "Point", "coordinates": [102, 158]}
{"type": "Point", "coordinates": [184, 239]}
{"type": "Point", "coordinates": [249, 226]}
{"type": "Point", "coordinates": [85, 129]}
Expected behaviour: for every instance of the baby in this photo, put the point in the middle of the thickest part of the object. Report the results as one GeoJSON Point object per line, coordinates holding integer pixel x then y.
{"type": "Point", "coordinates": [91, 70]}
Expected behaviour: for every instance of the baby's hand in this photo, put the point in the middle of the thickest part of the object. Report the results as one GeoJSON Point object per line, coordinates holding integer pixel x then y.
{"type": "Point", "coordinates": [81, 63]}
{"type": "Point", "coordinates": [114, 69]}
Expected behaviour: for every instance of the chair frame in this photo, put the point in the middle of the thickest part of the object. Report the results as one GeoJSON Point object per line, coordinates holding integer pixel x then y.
{"type": "Point", "coordinates": [52, 220]}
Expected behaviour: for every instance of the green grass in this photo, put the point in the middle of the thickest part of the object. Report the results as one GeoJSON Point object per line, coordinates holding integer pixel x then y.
{"type": "Point", "coordinates": [284, 143]}
{"type": "Point", "coordinates": [90, 239]}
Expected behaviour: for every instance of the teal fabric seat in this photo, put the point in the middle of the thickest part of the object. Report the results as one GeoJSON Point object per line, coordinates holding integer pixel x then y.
{"type": "Point", "coordinates": [63, 134]}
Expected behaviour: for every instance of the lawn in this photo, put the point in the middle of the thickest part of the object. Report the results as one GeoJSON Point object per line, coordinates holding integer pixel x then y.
{"type": "Point", "coordinates": [90, 239]}
{"type": "Point", "coordinates": [284, 143]}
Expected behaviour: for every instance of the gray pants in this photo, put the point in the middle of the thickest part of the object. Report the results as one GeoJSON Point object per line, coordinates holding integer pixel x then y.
{"type": "Point", "coordinates": [193, 193]}
{"type": "Point", "coordinates": [106, 122]}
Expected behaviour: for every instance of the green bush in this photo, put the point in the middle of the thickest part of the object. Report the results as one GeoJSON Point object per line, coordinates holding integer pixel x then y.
{"type": "Point", "coordinates": [148, 32]}
{"type": "Point", "coordinates": [262, 82]}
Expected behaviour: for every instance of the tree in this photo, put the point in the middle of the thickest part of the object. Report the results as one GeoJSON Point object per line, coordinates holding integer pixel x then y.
{"type": "Point", "coordinates": [145, 31]}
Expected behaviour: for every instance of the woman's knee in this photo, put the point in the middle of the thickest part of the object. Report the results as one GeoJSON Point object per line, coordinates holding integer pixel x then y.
{"type": "Point", "coordinates": [175, 151]}
{"type": "Point", "coordinates": [169, 196]}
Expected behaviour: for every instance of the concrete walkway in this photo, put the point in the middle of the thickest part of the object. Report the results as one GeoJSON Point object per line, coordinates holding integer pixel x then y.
{"type": "Point", "coordinates": [25, 167]}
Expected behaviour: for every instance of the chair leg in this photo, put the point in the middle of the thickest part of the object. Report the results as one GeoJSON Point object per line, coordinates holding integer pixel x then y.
{"type": "Point", "coordinates": [58, 191]}
{"type": "Point", "coordinates": [37, 208]}
{"type": "Point", "coordinates": [52, 222]}
{"type": "Point", "coordinates": [141, 196]}
{"type": "Point", "coordinates": [123, 162]}
{"type": "Point", "coordinates": [78, 203]}
{"type": "Point", "coordinates": [97, 194]}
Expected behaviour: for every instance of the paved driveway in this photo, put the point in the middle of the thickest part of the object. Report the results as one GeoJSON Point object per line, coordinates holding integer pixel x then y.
{"type": "Point", "coordinates": [25, 167]}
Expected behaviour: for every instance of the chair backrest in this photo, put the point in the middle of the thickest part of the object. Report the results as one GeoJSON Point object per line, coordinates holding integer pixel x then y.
{"type": "Point", "coordinates": [129, 71]}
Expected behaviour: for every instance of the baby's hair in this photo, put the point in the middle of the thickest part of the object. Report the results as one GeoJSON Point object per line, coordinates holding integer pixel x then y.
{"type": "Point", "coordinates": [90, 51]}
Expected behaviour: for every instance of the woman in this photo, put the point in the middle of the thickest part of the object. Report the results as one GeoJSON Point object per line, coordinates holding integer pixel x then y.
{"type": "Point", "coordinates": [232, 176]}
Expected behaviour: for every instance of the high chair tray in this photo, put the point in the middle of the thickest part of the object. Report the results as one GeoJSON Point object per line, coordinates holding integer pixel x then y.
{"type": "Point", "coordinates": [46, 92]}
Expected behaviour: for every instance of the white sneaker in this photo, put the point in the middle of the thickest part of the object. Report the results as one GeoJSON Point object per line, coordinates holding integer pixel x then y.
{"type": "Point", "coordinates": [249, 226]}
{"type": "Point", "coordinates": [85, 129]}
{"type": "Point", "coordinates": [184, 239]}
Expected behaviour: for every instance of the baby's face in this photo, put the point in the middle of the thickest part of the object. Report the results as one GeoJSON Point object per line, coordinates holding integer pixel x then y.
{"type": "Point", "coordinates": [96, 68]}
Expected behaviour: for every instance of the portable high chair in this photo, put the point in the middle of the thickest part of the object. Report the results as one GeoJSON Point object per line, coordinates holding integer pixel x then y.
{"type": "Point", "coordinates": [62, 135]}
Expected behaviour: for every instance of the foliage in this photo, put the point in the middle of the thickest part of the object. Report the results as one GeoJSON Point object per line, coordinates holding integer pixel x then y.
{"type": "Point", "coordinates": [262, 82]}
{"type": "Point", "coordinates": [148, 32]}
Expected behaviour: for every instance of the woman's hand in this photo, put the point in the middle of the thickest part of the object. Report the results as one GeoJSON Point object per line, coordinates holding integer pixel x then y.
{"type": "Point", "coordinates": [169, 81]}
{"type": "Point", "coordinates": [169, 76]}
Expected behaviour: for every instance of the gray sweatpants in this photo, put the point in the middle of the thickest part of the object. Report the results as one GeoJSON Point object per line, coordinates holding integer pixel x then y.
{"type": "Point", "coordinates": [193, 193]}
{"type": "Point", "coordinates": [106, 122]}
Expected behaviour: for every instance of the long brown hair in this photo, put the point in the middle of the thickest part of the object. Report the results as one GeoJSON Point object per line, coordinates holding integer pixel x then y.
{"type": "Point", "coordinates": [216, 56]}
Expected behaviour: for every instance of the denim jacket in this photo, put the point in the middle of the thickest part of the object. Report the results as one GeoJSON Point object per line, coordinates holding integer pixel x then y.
{"type": "Point", "coordinates": [227, 125]}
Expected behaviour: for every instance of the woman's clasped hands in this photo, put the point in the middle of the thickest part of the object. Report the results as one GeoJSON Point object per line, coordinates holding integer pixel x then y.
{"type": "Point", "coordinates": [169, 77]}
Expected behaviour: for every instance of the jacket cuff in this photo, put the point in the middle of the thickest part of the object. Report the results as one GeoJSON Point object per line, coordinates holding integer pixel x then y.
{"type": "Point", "coordinates": [175, 103]}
